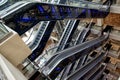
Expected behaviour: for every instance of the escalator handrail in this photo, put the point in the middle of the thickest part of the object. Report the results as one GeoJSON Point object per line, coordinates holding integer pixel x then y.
{"type": "Point", "coordinates": [38, 33]}
{"type": "Point", "coordinates": [30, 3]}
{"type": "Point", "coordinates": [72, 51]}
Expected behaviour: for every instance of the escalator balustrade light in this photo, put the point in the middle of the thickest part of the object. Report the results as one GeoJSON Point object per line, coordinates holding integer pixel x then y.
{"type": "Point", "coordinates": [61, 12]}
{"type": "Point", "coordinates": [53, 9]}
{"type": "Point", "coordinates": [69, 12]}
{"type": "Point", "coordinates": [54, 13]}
{"type": "Point", "coordinates": [47, 17]}
{"type": "Point", "coordinates": [40, 8]}
{"type": "Point", "coordinates": [25, 19]}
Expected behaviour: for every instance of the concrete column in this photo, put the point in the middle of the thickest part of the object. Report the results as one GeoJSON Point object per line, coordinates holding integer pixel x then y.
{"type": "Point", "coordinates": [10, 72]}
{"type": "Point", "coordinates": [14, 49]}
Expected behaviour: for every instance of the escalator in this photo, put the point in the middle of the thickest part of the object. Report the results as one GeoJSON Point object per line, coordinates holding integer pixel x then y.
{"type": "Point", "coordinates": [85, 32]}
{"type": "Point", "coordinates": [75, 65]}
{"type": "Point", "coordinates": [41, 31]}
{"type": "Point", "coordinates": [42, 42]}
{"type": "Point", "coordinates": [24, 17]}
{"type": "Point", "coordinates": [59, 28]}
{"type": "Point", "coordinates": [85, 58]}
{"type": "Point", "coordinates": [71, 25]}
{"type": "Point", "coordinates": [82, 71]}
{"type": "Point", "coordinates": [97, 74]}
{"type": "Point", "coordinates": [79, 37]}
{"type": "Point", "coordinates": [82, 60]}
{"type": "Point", "coordinates": [64, 40]}
{"type": "Point", "coordinates": [66, 37]}
{"type": "Point", "coordinates": [42, 37]}
{"type": "Point", "coordinates": [21, 24]}
{"type": "Point", "coordinates": [44, 28]}
{"type": "Point", "coordinates": [91, 72]}
{"type": "Point", "coordinates": [71, 54]}
{"type": "Point", "coordinates": [66, 71]}
{"type": "Point", "coordinates": [24, 20]}
{"type": "Point", "coordinates": [74, 37]}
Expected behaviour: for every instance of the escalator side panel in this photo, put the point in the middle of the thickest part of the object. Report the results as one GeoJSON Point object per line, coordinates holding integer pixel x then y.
{"type": "Point", "coordinates": [21, 24]}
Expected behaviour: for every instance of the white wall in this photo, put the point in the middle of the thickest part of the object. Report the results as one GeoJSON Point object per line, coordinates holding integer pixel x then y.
{"type": "Point", "coordinates": [11, 72]}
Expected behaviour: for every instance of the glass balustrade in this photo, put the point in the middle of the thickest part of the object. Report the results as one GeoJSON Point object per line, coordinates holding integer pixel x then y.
{"type": "Point", "coordinates": [3, 31]}
{"type": "Point", "coordinates": [87, 4]}
{"type": "Point", "coordinates": [6, 3]}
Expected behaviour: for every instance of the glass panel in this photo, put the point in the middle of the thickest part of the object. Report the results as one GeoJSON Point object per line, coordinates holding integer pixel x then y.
{"type": "Point", "coordinates": [87, 4]}
{"type": "Point", "coordinates": [3, 31]}
{"type": "Point", "coordinates": [6, 3]}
